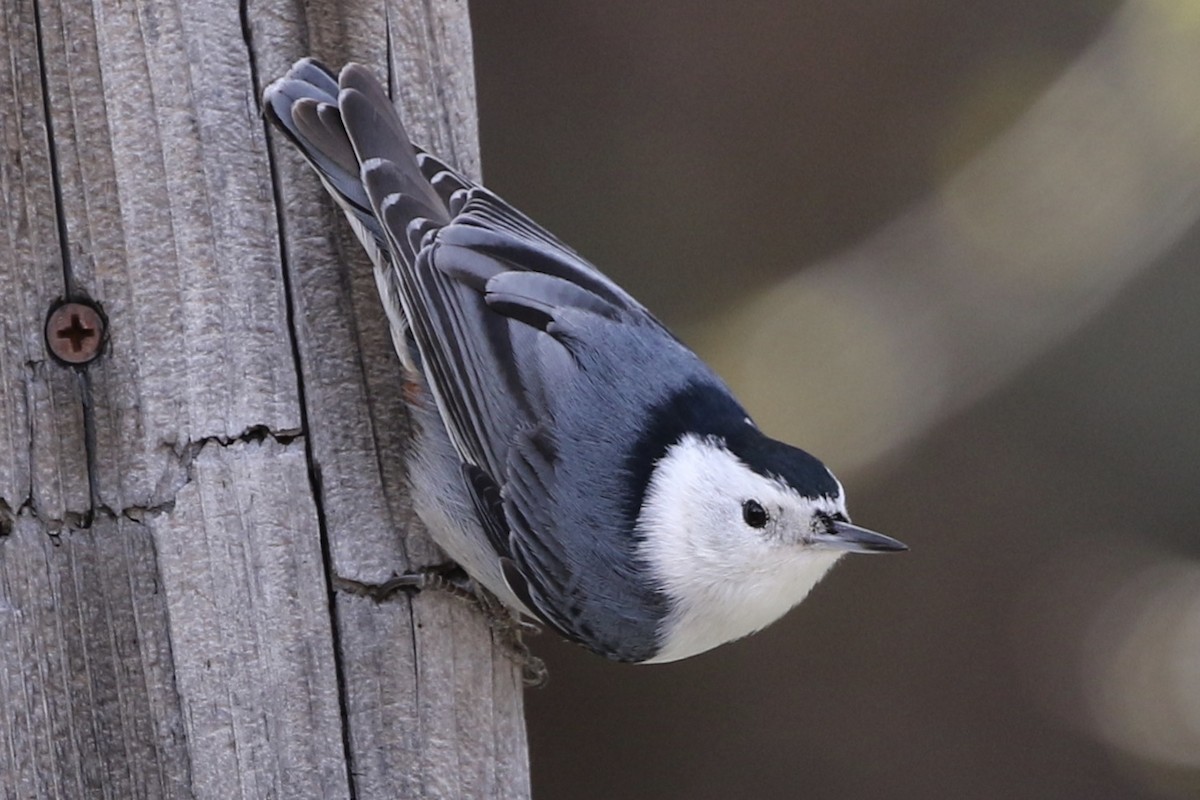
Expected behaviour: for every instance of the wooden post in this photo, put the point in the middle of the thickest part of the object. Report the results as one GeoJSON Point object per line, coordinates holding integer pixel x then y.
{"type": "Point", "coordinates": [172, 516]}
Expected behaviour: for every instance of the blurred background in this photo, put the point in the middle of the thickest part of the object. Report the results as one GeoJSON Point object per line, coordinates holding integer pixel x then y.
{"type": "Point", "coordinates": [951, 248]}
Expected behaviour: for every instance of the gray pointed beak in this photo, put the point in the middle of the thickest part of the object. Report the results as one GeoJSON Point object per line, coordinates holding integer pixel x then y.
{"type": "Point", "coordinates": [853, 539]}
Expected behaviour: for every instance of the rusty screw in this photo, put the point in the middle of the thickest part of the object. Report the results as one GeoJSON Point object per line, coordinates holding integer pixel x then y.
{"type": "Point", "coordinates": [75, 332]}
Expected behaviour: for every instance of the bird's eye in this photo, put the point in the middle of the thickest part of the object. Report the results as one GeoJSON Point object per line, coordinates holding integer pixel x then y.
{"type": "Point", "coordinates": [754, 514]}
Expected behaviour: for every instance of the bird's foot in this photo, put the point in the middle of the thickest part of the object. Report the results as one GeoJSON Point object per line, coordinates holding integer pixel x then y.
{"type": "Point", "coordinates": [447, 577]}
{"type": "Point", "coordinates": [453, 580]}
{"type": "Point", "coordinates": [511, 630]}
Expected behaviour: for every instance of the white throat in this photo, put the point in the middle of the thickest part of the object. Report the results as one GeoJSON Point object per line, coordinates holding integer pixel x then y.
{"type": "Point", "coordinates": [725, 580]}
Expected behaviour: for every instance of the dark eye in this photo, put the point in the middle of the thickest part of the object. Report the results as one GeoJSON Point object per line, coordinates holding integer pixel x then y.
{"type": "Point", "coordinates": [755, 515]}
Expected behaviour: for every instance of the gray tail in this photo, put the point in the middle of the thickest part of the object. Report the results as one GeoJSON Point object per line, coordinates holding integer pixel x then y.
{"type": "Point", "coordinates": [341, 123]}
{"type": "Point", "coordinates": [315, 109]}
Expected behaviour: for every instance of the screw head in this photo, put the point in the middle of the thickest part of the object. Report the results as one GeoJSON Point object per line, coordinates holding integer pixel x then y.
{"type": "Point", "coordinates": [74, 332]}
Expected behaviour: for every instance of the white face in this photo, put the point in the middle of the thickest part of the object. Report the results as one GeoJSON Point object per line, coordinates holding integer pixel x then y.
{"type": "Point", "coordinates": [733, 549]}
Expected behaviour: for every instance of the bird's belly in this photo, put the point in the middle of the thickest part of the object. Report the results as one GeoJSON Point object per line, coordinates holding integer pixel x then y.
{"type": "Point", "coordinates": [443, 502]}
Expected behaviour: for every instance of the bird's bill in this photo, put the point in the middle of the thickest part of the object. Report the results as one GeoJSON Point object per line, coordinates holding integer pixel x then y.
{"type": "Point", "coordinates": [853, 539]}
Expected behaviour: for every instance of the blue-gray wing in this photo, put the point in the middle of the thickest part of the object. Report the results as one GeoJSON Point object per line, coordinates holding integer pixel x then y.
{"type": "Point", "coordinates": [500, 310]}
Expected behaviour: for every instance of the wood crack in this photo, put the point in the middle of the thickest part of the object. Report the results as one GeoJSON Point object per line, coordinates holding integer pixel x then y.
{"type": "Point", "coordinates": [253, 434]}
{"type": "Point", "coordinates": [139, 512]}
{"type": "Point", "coordinates": [313, 468]}
{"type": "Point", "coordinates": [70, 288]}
{"type": "Point", "coordinates": [52, 154]}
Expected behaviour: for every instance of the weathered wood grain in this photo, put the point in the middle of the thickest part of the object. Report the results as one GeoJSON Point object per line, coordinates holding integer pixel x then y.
{"type": "Point", "coordinates": [88, 706]}
{"type": "Point", "coordinates": [461, 724]}
{"type": "Point", "coordinates": [168, 624]}
{"type": "Point", "coordinates": [244, 582]}
{"type": "Point", "coordinates": [42, 461]}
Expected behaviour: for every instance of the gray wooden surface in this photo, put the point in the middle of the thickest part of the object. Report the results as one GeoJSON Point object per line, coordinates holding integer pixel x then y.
{"type": "Point", "coordinates": [171, 519]}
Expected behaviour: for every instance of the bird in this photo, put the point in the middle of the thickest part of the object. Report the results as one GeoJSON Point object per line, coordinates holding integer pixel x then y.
{"type": "Point", "coordinates": [570, 453]}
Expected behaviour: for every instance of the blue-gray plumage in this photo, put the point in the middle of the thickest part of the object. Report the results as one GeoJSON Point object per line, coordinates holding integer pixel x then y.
{"type": "Point", "coordinates": [570, 453]}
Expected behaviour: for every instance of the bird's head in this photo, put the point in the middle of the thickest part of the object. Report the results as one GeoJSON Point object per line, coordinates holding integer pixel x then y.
{"type": "Point", "coordinates": [736, 530]}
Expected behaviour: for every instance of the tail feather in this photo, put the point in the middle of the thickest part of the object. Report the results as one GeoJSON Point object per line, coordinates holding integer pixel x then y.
{"type": "Point", "coordinates": [341, 125]}
{"type": "Point", "coordinates": [376, 131]}
{"type": "Point", "coordinates": [303, 104]}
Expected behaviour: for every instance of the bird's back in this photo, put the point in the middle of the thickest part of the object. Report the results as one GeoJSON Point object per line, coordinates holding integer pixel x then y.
{"type": "Point", "coordinates": [517, 339]}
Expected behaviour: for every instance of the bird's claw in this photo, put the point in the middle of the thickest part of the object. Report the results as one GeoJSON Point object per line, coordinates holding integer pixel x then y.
{"type": "Point", "coordinates": [451, 578]}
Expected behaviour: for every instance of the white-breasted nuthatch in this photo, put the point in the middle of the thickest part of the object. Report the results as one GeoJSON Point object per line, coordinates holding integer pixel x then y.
{"type": "Point", "coordinates": [572, 455]}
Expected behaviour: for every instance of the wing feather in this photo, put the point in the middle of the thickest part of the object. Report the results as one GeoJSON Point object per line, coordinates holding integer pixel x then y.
{"type": "Point", "coordinates": [493, 303]}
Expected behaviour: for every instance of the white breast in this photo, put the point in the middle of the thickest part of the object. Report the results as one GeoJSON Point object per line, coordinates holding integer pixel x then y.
{"type": "Point", "coordinates": [736, 605]}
